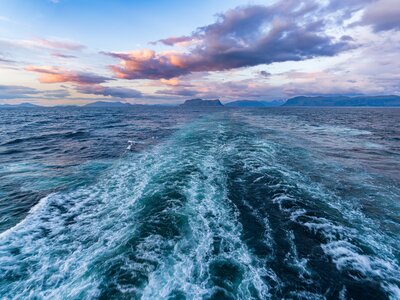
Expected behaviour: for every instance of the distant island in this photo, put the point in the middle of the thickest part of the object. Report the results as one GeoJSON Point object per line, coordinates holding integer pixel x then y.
{"type": "Point", "coordinates": [299, 101]}
{"type": "Point", "coordinates": [254, 103]}
{"type": "Point", "coordinates": [304, 101]}
{"type": "Point", "coordinates": [376, 101]}
{"type": "Point", "coordinates": [21, 105]}
{"type": "Point", "coordinates": [201, 103]}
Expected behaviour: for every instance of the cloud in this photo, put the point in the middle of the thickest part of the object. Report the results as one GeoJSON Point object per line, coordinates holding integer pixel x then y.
{"type": "Point", "coordinates": [56, 94]}
{"type": "Point", "coordinates": [183, 41]}
{"type": "Point", "coordinates": [62, 55]}
{"type": "Point", "coordinates": [146, 64]}
{"type": "Point", "coordinates": [178, 92]}
{"type": "Point", "coordinates": [175, 82]}
{"type": "Point", "coordinates": [265, 74]}
{"type": "Point", "coordinates": [9, 92]}
{"type": "Point", "coordinates": [119, 92]}
{"type": "Point", "coordinates": [346, 38]}
{"type": "Point", "coordinates": [5, 60]}
{"type": "Point", "coordinates": [241, 37]}
{"type": "Point", "coordinates": [58, 44]}
{"type": "Point", "coordinates": [16, 91]}
{"type": "Point", "coordinates": [57, 75]}
{"type": "Point", "coordinates": [288, 84]}
{"type": "Point", "coordinates": [382, 15]}
{"type": "Point", "coordinates": [50, 44]}
{"type": "Point", "coordinates": [343, 10]}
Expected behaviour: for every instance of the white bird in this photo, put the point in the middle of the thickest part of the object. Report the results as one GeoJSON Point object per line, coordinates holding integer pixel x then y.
{"type": "Point", "coordinates": [131, 144]}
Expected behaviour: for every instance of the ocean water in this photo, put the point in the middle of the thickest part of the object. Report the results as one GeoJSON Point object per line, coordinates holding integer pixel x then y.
{"type": "Point", "coordinates": [214, 204]}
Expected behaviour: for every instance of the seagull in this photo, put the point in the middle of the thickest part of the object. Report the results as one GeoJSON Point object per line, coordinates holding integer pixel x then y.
{"type": "Point", "coordinates": [131, 144]}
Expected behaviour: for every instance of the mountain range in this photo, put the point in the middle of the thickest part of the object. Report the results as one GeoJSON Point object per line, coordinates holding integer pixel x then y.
{"type": "Point", "coordinates": [21, 105]}
{"type": "Point", "coordinates": [376, 101]}
{"type": "Point", "coordinates": [254, 103]}
{"type": "Point", "coordinates": [300, 101]}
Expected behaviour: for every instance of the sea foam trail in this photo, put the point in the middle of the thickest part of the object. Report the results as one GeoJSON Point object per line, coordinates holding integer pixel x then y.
{"type": "Point", "coordinates": [212, 261]}
{"type": "Point", "coordinates": [157, 225]}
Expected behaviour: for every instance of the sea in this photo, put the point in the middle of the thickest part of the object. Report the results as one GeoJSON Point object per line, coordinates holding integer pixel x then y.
{"type": "Point", "coordinates": [210, 203]}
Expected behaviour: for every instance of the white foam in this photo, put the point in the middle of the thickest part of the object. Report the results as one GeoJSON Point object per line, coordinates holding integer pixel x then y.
{"type": "Point", "coordinates": [59, 251]}
{"type": "Point", "coordinates": [292, 258]}
{"type": "Point", "coordinates": [33, 210]}
{"type": "Point", "coordinates": [342, 293]}
{"type": "Point", "coordinates": [393, 290]}
{"type": "Point", "coordinates": [347, 256]}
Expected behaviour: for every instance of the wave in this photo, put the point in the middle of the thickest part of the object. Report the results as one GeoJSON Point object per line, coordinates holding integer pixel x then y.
{"type": "Point", "coordinates": [35, 138]}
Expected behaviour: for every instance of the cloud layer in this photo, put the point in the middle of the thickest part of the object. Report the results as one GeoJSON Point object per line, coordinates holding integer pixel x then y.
{"type": "Point", "coordinates": [16, 92]}
{"type": "Point", "coordinates": [58, 75]}
{"type": "Point", "coordinates": [241, 37]}
{"type": "Point", "coordinates": [22, 92]}
{"type": "Point", "coordinates": [118, 92]}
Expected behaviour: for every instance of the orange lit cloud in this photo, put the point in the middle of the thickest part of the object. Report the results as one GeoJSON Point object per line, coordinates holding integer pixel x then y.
{"type": "Point", "coordinates": [147, 64]}
{"type": "Point", "coordinates": [172, 81]}
{"type": "Point", "coordinates": [57, 75]}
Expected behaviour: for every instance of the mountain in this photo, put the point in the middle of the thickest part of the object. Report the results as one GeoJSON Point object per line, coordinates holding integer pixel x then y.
{"type": "Point", "coordinates": [390, 100]}
{"type": "Point", "coordinates": [254, 103]}
{"type": "Point", "coordinates": [201, 103]}
{"type": "Point", "coordinates": [21, 105]}
{"type": "Point", "coordinates": [107, 104]}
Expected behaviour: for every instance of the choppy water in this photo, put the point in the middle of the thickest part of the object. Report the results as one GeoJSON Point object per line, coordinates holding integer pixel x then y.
{"type": "Point", "coordinates": [220, 204]}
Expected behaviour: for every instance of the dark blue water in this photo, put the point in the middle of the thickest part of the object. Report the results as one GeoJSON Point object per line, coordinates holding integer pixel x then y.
{"type": "Point", "coordinates": [217, 204]}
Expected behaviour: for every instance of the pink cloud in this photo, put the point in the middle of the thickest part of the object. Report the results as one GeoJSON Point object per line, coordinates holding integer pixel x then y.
{"type": "Point", "coordinates": [59, 44]}
{"type": "Point", "coordinates": [48, 44]}
{"type": "Point", "coordinates": [183, 41]}
{"type": "Point", "coordinates": [57, 75]}
{"type": "Point", "coordinates": [147, 64]}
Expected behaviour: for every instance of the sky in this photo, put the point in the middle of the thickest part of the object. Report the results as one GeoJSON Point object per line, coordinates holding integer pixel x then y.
{"type": "Point", "coordinates": [62, 52]}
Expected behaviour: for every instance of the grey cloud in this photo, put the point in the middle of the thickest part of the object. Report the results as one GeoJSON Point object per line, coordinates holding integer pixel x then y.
{"type": "Point", "coordinates": [5, 60]}
{"type": "Point", "coordinates": [16, 91]}
{"type": "Point", "coordinates": [62, 55]}
{"type": "Point", "coordinates": [265, 74]}
{"type": "Point", "coordinates": [21, 92]}
{"type": "Point", "coordinates": [56, 94]}
{"type": "Point", "coordinates": [382, 15]}
{"type": "Point", "coordinates": [119, 92]}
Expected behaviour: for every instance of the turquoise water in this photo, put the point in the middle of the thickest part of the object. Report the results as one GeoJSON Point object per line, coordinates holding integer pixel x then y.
{"type": "Point", "coordinates": [222, 204]}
